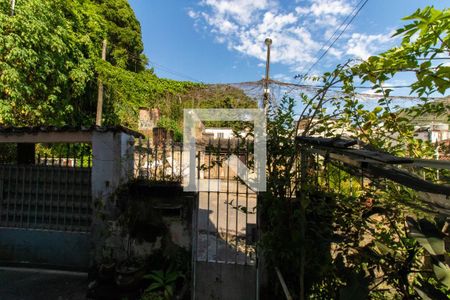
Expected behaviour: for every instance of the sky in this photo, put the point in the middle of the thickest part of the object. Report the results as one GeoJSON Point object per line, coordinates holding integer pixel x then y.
{"type": "Point", "coordinates": [222, 41]}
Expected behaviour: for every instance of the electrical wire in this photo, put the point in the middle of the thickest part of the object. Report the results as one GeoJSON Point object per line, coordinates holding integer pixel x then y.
{"type": "Point", "coordinates": [156, 65]}
{"type": "Point", "coordinates": [250, 88]}
{"type": "Point", "coordinates": [173, 72]}
{"type": "Point", "coordinates": [340, 34]}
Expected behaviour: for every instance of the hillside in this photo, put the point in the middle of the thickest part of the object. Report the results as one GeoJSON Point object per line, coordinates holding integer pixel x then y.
{"type": "Point", "coordinates": [50, 63]}
{"type": "Point", "coordinates": [437, 112]}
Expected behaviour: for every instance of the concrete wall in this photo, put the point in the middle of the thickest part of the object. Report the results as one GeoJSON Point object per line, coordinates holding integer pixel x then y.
{"type": "Point", "coordinates": [126, 157]}
{"type": "Point", "coordinates": [112, 165]}
{"type": "Point", "coordinates": [43, 248]}
{"type": "Point", "coordinates": [106, 166]}
{"type": "Point", "coordinates": [112, 162]}
{"type": "Point", "coordinates": [224, 281]}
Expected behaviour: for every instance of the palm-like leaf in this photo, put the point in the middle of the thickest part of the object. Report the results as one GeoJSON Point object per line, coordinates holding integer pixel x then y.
{"type": "Point", "coordinates": [442, 272]}
{"type": "Point", "coordinates": [427, 235]}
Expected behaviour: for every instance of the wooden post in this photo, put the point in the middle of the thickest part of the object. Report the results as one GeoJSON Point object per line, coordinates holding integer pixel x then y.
{"type": "Point", "coordinates": [98, 119]}
{"type": "Point", "coordinates": [283, 284]}
{"type": "Point", "coordinates": [303, 204]}
{"type": "Point", "coordinates": [13, 7]}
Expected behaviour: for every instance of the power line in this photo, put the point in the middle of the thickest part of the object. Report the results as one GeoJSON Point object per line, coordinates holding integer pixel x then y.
{"type": "Point", "coordinates": [310, 87]}
{"type": "Point", "coordinates": [281, 83]}
{"type": "Point", "coordinates": [340, 34]}
{"type": "Point", "coordinates": [337, 29]}
{"type": "Point", "coordinates": [173, 72]}
{"type": "Point", "coordinates": [162, 67]}
{"type": "Point", "coordinates": [336, 86]}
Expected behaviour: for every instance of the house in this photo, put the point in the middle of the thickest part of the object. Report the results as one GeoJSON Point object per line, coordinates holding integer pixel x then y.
{"type": "Point", "coordinates": [219, 132]}
{"type": "Point", "coordinates": [434, 132]}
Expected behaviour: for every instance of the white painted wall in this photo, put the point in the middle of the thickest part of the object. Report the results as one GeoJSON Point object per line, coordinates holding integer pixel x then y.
{"type": "Point", "coordinates": [112, 162]}
{"type": "Point", "coordinates": [223, 133]}
{"type": "Point", "coordinates": [433, 133]}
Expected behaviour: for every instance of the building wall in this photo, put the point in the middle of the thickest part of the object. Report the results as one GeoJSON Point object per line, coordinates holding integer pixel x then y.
{"type": "Point", "coordinates": [433, 133]}
{"type": "Point", "coordinates": [223, 133]}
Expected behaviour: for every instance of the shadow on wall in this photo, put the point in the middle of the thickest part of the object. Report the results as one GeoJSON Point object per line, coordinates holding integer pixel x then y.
{"type": "Point", "coordinates": [224, 246]}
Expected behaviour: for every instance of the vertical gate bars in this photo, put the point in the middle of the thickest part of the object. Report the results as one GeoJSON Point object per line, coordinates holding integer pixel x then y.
{"type": "Point", "coordinates": [237, 210]}
{"type": "Point", "coordinates": [31, 195]}
{"type": "Point", "coordinates": [227, 201]}
{"type": "Point", "coordinates": [213, 156]}
{"type": "Point", "coordinates": [208, 197]}
{"type": "Point", "coordinates": [218, 161]}
{"type": "Point", "coordinates": [246, 207]}
{"type": "Point", "coordinates": [22, 196]}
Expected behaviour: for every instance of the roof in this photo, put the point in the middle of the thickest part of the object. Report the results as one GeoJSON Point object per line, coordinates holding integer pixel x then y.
{"type": "Point", "coordinates": [7, 133]}
{"type": "Point", "coordinates": [377, 164]}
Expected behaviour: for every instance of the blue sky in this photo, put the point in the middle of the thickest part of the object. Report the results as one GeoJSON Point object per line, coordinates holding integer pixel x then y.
{"type": "Point", "coordinates": [222, 41]}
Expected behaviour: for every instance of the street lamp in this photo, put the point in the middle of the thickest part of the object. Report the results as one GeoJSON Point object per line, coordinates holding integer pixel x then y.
{"type": "Point", "coordinates": [268, 43]}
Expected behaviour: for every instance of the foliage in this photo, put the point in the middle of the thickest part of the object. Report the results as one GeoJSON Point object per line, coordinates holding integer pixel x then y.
{"type": "Point", "coordinates": [123, 32]}
{"type": "Point", "coordinates": [162, 282]}
{"type": "Point", "coordinates": [425, 38]}
{"type": "Point", "coordinates": [348, 240]}
{"type": "Point", "coordinates": [50, 65]}
{"type": "Point", "coordinates": [44, 62]}
{"type": "Point", "coordinates": [127, 91]}
{"type": "Point", "coordinates": [8, 153]}
{"type": "Point", "coordinates": [171, 125]}
{"type": "Point", "coordinates": [428, 236]}
{"type": "Point", "coordinates": [343, 113]}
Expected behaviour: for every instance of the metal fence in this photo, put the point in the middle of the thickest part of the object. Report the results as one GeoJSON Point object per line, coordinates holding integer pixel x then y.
{"type": "Point", "coordinates": [54, 193]}
{"type": "Point", "coordinates": [352, 171]}
{"type": "Point", "coordinates": [330, 168]}
{"type": "Point", "coordinates": [162, 162]}
{"type": "Point", "coordinates": [226, 214]}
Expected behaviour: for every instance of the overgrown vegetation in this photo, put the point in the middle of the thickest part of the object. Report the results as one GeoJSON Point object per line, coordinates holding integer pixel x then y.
{"type": "Point", "coordinates": [333, 235]}
{"type": "Point", "coordinates": [50, 63]}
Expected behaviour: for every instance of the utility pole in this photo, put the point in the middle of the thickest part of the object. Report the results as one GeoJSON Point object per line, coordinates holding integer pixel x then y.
{"type": "Point", "coordinates": [268, 43]}
{"type": "Point", "coordinates": [13, 7]}
{"type": "Point", "coordinates": [98, 119]}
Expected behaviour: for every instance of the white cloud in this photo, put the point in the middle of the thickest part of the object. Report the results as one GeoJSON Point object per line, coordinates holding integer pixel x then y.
{"type": "Point", "coordinates": [283, 77]}
{"type": "Point", "coordinates": [240, 11]}
{"type": "Point", "coordinates": [336, 7]}
{"type": "Point", "coordinates": [193, 14]}
{"type": "Point", "coordinates": [363, 45]}
{"type": "Point", "coordinates": [298, 34]}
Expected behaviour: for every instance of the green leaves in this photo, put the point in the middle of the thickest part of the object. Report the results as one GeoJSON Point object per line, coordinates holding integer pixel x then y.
{"type": "Point", "coordinates": [431, 239]}
{"type": "Point", "coordinates": [48, 55]}
{"type": "Point", "coordinates": [442, 272]}
{"type": "Point", "coordinates": [427, 235]}
{"type": "Point", "coordinates": [42, 62]}
{"type": "Point", "coordinates": [163, 281]}
{"type": "Point", "coordinates": [427, 291]}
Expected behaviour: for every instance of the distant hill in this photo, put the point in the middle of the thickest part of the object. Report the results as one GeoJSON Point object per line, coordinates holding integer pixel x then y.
{"type": "Point", "coordinates": [430, 117]}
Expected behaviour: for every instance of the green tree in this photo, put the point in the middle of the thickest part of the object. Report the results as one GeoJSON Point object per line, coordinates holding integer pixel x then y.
{"type": "Point", "coordinates": [44, 62]}
{"type": "Point", "coordinates": [50, 65]}
{"type": "Point", "coordinates": [390, 264]}
{"type": "Point", "coordinates": [123, 32]}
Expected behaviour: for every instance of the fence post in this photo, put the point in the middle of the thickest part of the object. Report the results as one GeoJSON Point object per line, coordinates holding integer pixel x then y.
{"type": "Point", "coordinates": [106, 173]}
{"type": "Point", "coordinates": [303, 205]}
